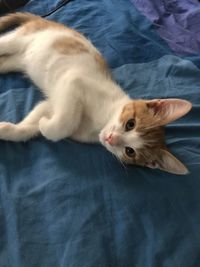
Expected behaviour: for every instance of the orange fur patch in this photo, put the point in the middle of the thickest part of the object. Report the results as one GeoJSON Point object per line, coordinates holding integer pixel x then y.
{"type": "Point", "coordinates": [128, 112]}
{"type": "Point", "coordinates": [33, 26]}
{"type": "Point", "coordinates": [101, 62]}
{"type": "Point", "coordinates": [64, 45]}
{"type": "Point", "coordinates": [67, 45]}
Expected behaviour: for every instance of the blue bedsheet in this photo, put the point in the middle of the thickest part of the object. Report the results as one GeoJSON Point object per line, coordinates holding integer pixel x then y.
{"type": "Point", "coordinates": [67, 204]}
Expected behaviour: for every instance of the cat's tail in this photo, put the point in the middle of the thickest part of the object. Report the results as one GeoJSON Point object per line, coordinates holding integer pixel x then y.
{"type": "Point", "coordinates": [16, 19]}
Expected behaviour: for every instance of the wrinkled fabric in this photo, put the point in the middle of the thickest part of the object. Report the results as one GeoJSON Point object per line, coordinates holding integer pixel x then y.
{"type": "Point", "coordinates": [177, 22]}
{"type": "Point", "coordinates": [71, 204]}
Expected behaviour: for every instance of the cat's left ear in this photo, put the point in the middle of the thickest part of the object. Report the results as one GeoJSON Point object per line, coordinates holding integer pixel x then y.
{"type": "Point", "coordinates": [167, 162]}
{"type": "Point", "coordinates": [168, 110]}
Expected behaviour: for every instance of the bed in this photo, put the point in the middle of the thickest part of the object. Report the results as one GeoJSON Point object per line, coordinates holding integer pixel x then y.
{"type": "Point", "coordinates": [68, 204]}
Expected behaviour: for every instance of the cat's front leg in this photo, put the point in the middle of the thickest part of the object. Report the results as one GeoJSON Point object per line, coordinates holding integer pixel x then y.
{"type": "Point", "coordinates": [67, 111]}
{"type": "Point", "coordinates": [28, 127]}
{"type": "Point", "coordinates": [16, 132]}
{"type": "Point", "coordinates": [53, 129]}
{"type": "Point", "coordinates": [59, 127]}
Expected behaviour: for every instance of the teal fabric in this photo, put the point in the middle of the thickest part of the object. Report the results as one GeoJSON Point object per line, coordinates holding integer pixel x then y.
{"type": "Point", "coordinates": [71, 204]}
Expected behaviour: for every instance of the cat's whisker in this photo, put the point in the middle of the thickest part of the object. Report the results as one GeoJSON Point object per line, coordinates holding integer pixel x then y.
{"type": "Point", "coordinates": [119, 159]}
{"type": "Point", "coordinates": [124, 166]}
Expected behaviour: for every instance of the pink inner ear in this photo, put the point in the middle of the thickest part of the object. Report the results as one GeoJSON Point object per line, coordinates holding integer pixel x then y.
{"type": "Point", "coordinates": [167, 110]}
{"type": "Point", "coordinates": [157, 106]}
{"type": "Point", "coordinates": [152, 165]}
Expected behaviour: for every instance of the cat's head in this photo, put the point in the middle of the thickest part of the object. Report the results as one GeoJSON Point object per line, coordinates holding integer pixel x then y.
{"type": "Point", "coordinates": [136, 134]}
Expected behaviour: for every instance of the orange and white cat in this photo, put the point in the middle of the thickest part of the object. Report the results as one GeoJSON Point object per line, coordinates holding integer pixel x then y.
{"type": "Point", "coordinates": [82, 101]}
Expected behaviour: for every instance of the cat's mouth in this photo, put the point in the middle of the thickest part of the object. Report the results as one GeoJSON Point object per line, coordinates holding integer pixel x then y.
{"type": "Point", "coordinates": [105, 138]}
{"type": "Point", "coordinates": [107, 145]}
{"type": "Point", "coordinates": [109, 139]}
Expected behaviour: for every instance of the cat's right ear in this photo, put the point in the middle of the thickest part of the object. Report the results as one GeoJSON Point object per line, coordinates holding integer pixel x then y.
{"type": "Point", "coordinates": [167, 110]}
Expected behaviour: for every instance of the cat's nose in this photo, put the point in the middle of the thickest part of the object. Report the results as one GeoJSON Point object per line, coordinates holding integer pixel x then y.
{"type": "Point", "coordinates": [112, 139]}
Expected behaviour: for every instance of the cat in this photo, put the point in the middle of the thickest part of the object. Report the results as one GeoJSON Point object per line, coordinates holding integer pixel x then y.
{"type": "Point", "coordinates": [82, 101]}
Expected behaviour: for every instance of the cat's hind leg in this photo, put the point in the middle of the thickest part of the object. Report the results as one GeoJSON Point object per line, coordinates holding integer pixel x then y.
{"type": "Point", "coordinates": [61, 124]}
{"type": "Point", "coordinates": [27, 128]}
{"type": "Point", "coordinates": [12, 47]}
{"type": "Point", "coordinates": [11, 43]}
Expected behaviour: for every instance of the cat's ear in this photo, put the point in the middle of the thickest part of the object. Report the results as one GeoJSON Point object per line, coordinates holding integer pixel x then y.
{"type": "Point", "coordinates": [167, 162]}
{"type": "Point", "coordinates": [168, 110]}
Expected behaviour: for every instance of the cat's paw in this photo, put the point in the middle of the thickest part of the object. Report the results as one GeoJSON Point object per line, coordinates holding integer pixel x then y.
{"type": "Point", "coordinates": [6, 129]}
{"type": "Point", "coordinates": [47, 130]}
{"type": "Point", "coordinates": [6, 126]}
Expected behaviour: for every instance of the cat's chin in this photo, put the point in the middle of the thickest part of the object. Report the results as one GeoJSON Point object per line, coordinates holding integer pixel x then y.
{"type": "Point", "coordinates": [102, 137]}
{"type": "Point", "coordinates": [103, 142]}
{"type": "Point", "coordinates": [108, 147]}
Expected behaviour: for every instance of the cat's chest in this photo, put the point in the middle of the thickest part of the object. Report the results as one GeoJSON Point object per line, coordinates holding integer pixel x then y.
{"type": "Point", "coordinates": [89, 128]}
{"type": "Point", "coordinates": [98, 105]}
{"type": "Point", "coordinates": [95, 114]}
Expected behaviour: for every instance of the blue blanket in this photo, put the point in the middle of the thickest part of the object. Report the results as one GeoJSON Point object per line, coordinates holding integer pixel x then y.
{"type": "Point", "coordinates": [67, 204]}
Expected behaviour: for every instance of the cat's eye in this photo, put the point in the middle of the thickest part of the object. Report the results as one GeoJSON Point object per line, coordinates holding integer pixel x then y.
{"type": "Point", "coordinates": [130, 125]}
{"type": "Point", "coordinates": [130, 152]}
